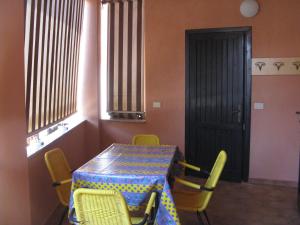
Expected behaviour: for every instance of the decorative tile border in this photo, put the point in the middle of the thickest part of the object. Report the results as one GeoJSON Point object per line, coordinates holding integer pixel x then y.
{"type": "Point", "coordinates": [276, 66]}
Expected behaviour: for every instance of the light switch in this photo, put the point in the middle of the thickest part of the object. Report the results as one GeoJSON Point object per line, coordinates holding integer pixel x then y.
{"type": "Point", "coordinates": [259, 105]}
{"type": "Point", "coordinates": [156, 104]}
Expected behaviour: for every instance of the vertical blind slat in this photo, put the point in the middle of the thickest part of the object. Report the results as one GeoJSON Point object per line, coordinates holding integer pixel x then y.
{"type": "Point", "coordinates": [142, 59]}
{"type": "Point", "coordinates": [55, 89]}
{"type": "Point", "coordinates": [52, 42]}
{"type": "Point", "coordinates": [120, 66]}
{"type": "Point", "coordinates": [29, 43]}
{"type": "Point", "coordinates": [77, 47]}
{"type": "Point", "coordinates": [41, 64]}
{"type": "Point", "coordinates": [111, 55]}
{"type": "Point", "coordinates": [139, 58]}
{"type": "Point", "coordinates": [45, 54]}
{"type": "Point", "coordinates": [125, 56]}
{"type": "Point", "coordinates": [125, 52]}
{"type": "Point", "coordinates": [62, 74]}
{"type": "Point", "coordinates": [72, 55]}
{"type": "Point", "coordinates": [32, 67]}
{"type": "Point", "coordinates": [28, 21]}
{"type": "Point", "coordinates": [75, 55]}
{"type": "Point", "coordinates": [61, 62]}
{"type": "Point", "coordinates": [65, 86]}
{"type": "Point", "coordinates": [35, 64]}
{"type": "Point", "coordinates": [65, 83]}
{"type": "Point", "coordinates": [38, 66]}
{"type": "Point", "coordinates": [47, 63]}
{"type": "Point", "coordinates": [67, 111]}
{"type": "Point", "coordinates": [54, 63]}
{"type": "Point", "coordinates": [116, 58]}
{"type": "Point", "coordinates": [129, 59]}
{"type": "Point", "coordinates": [134, 56]}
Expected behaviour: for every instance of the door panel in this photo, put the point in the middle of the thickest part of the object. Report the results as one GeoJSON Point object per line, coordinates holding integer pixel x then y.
{"type": "Point", "coordinates": [215, 100]}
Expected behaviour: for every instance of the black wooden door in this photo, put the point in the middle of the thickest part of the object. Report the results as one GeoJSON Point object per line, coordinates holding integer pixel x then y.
{"type": "Point", "coordinates": [216, 99]}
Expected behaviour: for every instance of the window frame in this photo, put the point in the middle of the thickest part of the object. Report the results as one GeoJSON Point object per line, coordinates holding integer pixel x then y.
{"type": "Point", "coordinates": [123, 113]}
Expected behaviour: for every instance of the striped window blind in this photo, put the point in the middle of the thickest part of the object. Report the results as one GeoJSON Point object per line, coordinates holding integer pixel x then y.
{"type": "Point", "coordinates": [125, 59]}
{"type": "Point", "coordinates": [52, 40]}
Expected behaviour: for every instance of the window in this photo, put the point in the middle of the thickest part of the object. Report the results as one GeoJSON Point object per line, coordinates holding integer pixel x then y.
{"type": "Point", "coordinates": [122, 61]}
{"type": "Point", "coordinates": [52, 40]}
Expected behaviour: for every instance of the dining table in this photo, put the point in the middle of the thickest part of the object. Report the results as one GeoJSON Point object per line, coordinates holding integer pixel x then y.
{"type": "Point", "coordinates": [135, 171]}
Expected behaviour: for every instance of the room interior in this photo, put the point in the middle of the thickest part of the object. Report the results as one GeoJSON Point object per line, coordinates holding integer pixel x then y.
{"type": "Point", "coordinates": [26, 191]}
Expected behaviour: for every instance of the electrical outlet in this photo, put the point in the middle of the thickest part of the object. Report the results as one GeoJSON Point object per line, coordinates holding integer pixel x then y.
{"type": "Point", "coordinates": [259, 105]}
{"type": "Point", "coordinates": [156, 104]}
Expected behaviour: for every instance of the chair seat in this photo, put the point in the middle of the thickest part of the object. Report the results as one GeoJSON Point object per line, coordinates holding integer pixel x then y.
{"type": "Point", "coordinates": [188, 200]}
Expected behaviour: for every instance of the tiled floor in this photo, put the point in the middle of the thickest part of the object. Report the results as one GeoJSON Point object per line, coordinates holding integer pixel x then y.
{"type": "Point", "coordinates": [249, 204]}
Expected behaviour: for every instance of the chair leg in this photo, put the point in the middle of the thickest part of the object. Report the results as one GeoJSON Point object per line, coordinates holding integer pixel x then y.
{"type": "Point", "coordinates": [154, 210]}
{"type": "Point", "coordinates": [205, 214]}
{"type": "Point", "coordinates": [200, 218]}
{"type": "Point", "coordinates": [63, 216]}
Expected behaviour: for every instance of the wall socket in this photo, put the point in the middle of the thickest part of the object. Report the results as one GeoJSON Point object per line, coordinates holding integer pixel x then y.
{"type": "Point", "coordinates": [259, 105]}
{"type": "Point", "coordinates": [156, 104]}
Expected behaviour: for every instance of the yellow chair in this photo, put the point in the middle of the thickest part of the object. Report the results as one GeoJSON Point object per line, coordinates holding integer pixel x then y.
{"type": "Point", "coordinates": [197, 201]}
{"type": "Point", "coordinates": [108, 207]}
{"type": "Point", "coordinates": [145, 139]}
{"type": "Point", "coordinates": [61, 175]}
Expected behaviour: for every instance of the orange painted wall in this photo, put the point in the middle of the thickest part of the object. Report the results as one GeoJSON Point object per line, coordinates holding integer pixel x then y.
{"type": "Point", "coordinates": [25, 186]}
{"type": "Point", "coordinates": [88, 67]}
{"type": "Point", "coordinates": [43, 197]}
{"type": "Point", "coordinates": [81, 143]}
{"type": "Point", "coordinates": [275, 141]}
{"type": "Point", "coordinates": [276, 33]}
{"type": "Point", "coordinates": [14, 186]}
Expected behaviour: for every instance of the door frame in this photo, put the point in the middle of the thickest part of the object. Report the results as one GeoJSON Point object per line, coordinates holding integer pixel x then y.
{"type": "Point", "coordinates": [247, 31]}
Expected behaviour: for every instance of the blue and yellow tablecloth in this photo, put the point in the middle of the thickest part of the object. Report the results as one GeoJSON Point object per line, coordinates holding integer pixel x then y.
{"type": "Point", "coordinates": [135, 171]}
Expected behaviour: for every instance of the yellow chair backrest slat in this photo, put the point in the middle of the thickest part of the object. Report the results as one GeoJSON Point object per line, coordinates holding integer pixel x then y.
{"type": "Point", "coordinates": [59, 170]}
{"type": "Point", "coordinates": [100, 207]}
{"type": "Point", "coordinates": [145, 139]}
{"type": "Point", "coordinates": [213, 179]}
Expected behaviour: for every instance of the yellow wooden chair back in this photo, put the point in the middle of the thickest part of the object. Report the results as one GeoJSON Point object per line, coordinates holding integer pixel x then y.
{"type": "Point", "coordinates": [60, 173]}
{"type": "Point", "coordinates": [145, 139]}
{"type": "Point", "coordinates": [108, 207]}
{"type": "Point", "coordinates": [100, 207]}
{"type": "Point", "coordinates": [213, 179]}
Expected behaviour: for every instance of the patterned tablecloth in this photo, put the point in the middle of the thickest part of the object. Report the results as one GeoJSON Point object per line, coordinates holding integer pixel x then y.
{"type": "Point", "coordinates": [135, 171]}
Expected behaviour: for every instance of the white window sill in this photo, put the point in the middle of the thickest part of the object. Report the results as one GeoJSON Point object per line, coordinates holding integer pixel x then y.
{"type": "Point", "coordinates": [125, 120]}
{"type": "Point", "coordinates": [72, 122]}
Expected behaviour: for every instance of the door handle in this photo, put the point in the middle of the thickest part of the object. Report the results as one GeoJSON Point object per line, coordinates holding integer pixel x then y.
{"type": "Point", "coordinates": [238, 112]}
